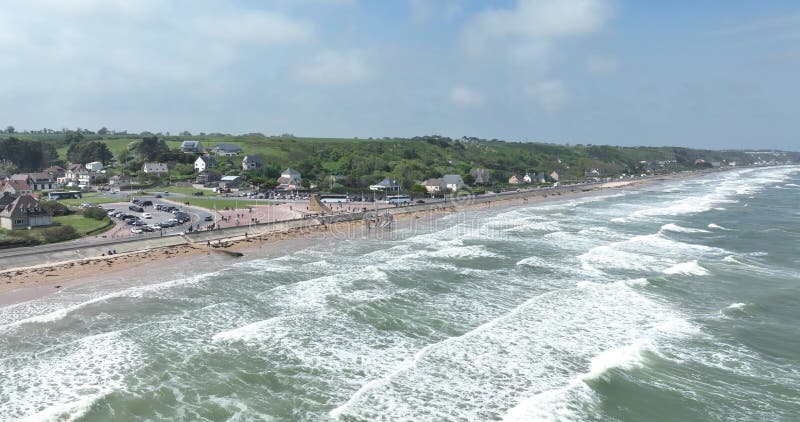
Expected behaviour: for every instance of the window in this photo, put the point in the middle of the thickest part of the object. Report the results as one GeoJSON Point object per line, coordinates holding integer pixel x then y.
{"type": "Point", "coordinates": [18, 221]}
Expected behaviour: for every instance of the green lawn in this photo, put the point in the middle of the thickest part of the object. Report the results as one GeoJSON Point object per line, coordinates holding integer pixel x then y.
{"type": "Point", "coordinates": [92, 199]}
{"type": "Point", "coordinates": [80, 223]}
{"type": "Point", "coordinates": [185, 191]}
{"type": "Point", "coordinates": [220, 204]}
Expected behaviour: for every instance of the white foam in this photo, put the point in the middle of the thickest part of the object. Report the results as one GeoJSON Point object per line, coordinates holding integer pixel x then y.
{"type": "Point", "coordinates": [680, 229]}
{"type": "Point", "coordinates": [686, 268]}
{"type": "Point", "coordinates": [636, 282]}
{"type": "Point", "coordinates": [718, 227]}
{"type": "Point", "coordinates": [738, 305]}
{"type": "Point", "coordinates": [67, 411]}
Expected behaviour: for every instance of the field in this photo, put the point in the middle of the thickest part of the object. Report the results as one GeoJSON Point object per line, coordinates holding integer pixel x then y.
{"type": "Point", "coordinates": [80, 223]}
{"type": "Point", "coordinates": [220, 204]}
{"type": "Point", "coordinates": [90, 198]}
{"type": "Point", "coordinates": [181, 190]}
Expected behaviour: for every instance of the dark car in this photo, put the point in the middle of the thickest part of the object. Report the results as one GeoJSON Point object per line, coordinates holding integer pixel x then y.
{"type": "Point", "coordinates": [147, 203]}
{"type": "Point", "coordinates": [209, 218]}
{"type": "Point", "coordinates": [420, 201]}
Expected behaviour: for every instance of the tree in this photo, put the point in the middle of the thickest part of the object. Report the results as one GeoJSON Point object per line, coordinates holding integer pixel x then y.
{"type": "Point", "coordinates": [102, 131]}
{"type": "Point", "coordinates": [150, 147]}
{"type": "Point", "coordinates": [469, 179]}
{"type": "Point", "coordinates": [73, 137]}
{"type": "Point", "coordinates": [10, 129]}
{"type": "Point", "coordinates": [86, 152]}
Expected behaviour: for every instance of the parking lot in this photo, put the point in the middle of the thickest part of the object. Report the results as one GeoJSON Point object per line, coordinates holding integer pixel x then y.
{"type": "Point", "coordinates": [147, 216]}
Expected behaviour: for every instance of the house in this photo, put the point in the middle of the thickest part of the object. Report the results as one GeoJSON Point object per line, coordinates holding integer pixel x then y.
{"type": "Point", "coordinates": [386, 184]}
{"type": "Point", "coordinates": [554, 176]}
{"type": "Point", "coordinates": [94, 166]}
{"type": "Point", "coordinates": [527, 178]}
{"type": "Point", "coordinates": [191, 147]}
{"type": "Point", "coordinates": [207, 177]}
{"type": "Point", "coordinates": [85, 177]}
{"type": "Point", "coordinates": [25, 211]}
{"type": "Point", "coordinates": [481, 176]}
{"type": "Point", "coordinates": [15, 188]}
{"type": "Point", "coordinates": [155, 168]}
{"type": "Point", "coordinates": [514, 180]}
{"type": "Point", "coordinates": [37, 181]}
{"type": "Point", "coordinates": [435, 185]}
{"type": "Point", "coordinates": [593, 173]}
{"type": "Point", "coordinates": [454, 182]}
{"type": "Point", "coordinates": [204, 162]}
{"type": "Point", "coordinates": [55, 172]}
{"type": "Point", "coordinates": [230, 181]}
{"type": "Point", "coordinates": [71, 173]}
{"type": "Point", "coordinates": [290, 179]}
{"type": "Point", "coordinates": [6, 199]}
{"type": "Point", "coordinates": [120, 181]}
{"type": "Point", "coordinates": [252, 162]}
{"type": "Point", "coordinates": [227, 150]}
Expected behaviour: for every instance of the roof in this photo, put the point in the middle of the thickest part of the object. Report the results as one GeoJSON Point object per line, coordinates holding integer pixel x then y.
{"type": "Point", "coordinates": [191, 144]}
{"type": "Point", "coordinates": [74, 166]}
{"type": "Point", "coordinates": [228, 147]}
{"type": "Point", "coordinates": [148, 167]}
{"type": "Point", "coordinates": [292, 172]}
{"type": "Point", "coordinates": [25, 205]}
{"type": "Point", "coordinates": [388, 183]}
{"type": "Point", "coordinates": [230, 178]}
{"type": "Point", "coordinates": [207, 159]}
{"type": "Point", "coordinates": [254, 159]}
{"type": "Point", "coordinates": [434, 182]}
{"type": "Point", "coordinates": [453, 179]}
{"type": "Point", "coordinates": [18, 185]}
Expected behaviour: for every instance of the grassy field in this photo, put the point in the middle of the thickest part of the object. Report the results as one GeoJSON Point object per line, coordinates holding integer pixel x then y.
{"type": "Point", "coordinates": [90, 198]}
{"type": "Point", "coordinates": [220, 204]}
{"type": "Point", "coordinates": [80, 223]}
{"type": "Point", "coordinates": [182, 190]}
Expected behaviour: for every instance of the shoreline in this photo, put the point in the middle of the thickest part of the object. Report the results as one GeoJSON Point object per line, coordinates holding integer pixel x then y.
{"type": "Point", "coordinates": [23, 284]}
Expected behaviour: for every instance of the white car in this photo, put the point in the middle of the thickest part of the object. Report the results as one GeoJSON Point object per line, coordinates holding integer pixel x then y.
{"type": "Point", "coordinates": [136, 230]}
{"type": "Point", "coordinates": [147, 215]}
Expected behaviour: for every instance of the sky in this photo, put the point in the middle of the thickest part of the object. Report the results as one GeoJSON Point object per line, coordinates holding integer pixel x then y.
{"type": "Point", "coordinates": [715, 74]}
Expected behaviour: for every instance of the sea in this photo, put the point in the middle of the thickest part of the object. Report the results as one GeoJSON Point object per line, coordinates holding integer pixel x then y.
{"type": "Point", "coordinates": [677, 301]}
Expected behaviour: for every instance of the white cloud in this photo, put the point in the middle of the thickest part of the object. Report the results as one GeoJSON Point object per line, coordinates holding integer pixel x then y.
{"type": "Point", "coordinates": [465, 97]}
{"type": "Point", "coordinates": [535, 21]}
{"type": "Point", "coordinates": [551, 95]}
{"type": "Point", "coordinates": [425, 10]}
{"type": "Point", "coordinates": [602, 65]}
{"type": "Point", "coordinates": [334, 68]}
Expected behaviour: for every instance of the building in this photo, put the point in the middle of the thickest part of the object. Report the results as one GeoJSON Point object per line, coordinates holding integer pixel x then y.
{"type": "Point", "coordinates": [252, 162]}
{"type": "Point", "coordinates": [514, 180]}
{"type": "Point", "coordinates": [15, 188]}
{"type": "Point", "coordinates": [85, 177]}
{"type": "Point", "coordinates": [593, 173]}
{"type": "Point", "coordinates": [554, 176]}
{"type": "Point", "coordinates": [227, 150]}
{"type": "Point", "coordinates": [435, 185]}
{"type": "Point", "coordinates": [207, 177]}
{"type": "Point", "coordinates": [454, 182]}
{"type": "Point", "coordinates": [155, 168]}
{"type": "Point", "coordinates": [386, 184]}
{"type": "Point", "coordinates": [192, 147]}
{"type": "Point", "coordinates": [481, 176]}
{"type": "Point", "coordinates": [25, 211]}
{"type": "Point", "coordinates": [228, 182]}
{"type": "Point", "coordinates": [527, 178]}
{"type": "Point", "coordinates": [94, 166]}
{"type": "Point", "coordinates": [541, 177]}
{"type": "Point", "coordinates": [120, 181]}
{"type": "Point", "coordinates": [290, 179]}
{"type": "Point", "coordinates": [204, 162]}
{"type": "Point", "coordinates": [37, 181]}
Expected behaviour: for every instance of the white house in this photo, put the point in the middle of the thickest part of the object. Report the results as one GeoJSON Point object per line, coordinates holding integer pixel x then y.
{"type": "Point", "coordinates": [204, 163]}
{"type": "Point", "coordinates": [26, 211]}
{"type": "Point", "coordinates": [453, 182]}
{"type": "Point", "coordinates": [386, 184]}
{"type": "Point", "coordinates": [434, 185]}
{"type": "Point", "coordinates": [94, 166]}
{"type": "Point", "coordinates": [554, 176]}
{"type": "Point", "coordinates": [527, 178]}
{"type": "Point", "coordinates": [155, 168]}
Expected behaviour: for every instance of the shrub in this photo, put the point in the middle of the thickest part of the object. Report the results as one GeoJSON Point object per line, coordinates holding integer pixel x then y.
{"type": "Point", "coordinates": [57, 208]}
{"type": "Point", "coordinates": [59, 234]}
{"type": "Point", "coordinates": [95, 213]}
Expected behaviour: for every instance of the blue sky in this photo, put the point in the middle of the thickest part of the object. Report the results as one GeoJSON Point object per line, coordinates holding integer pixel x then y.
{"type": "Point", "coordinates": [717, 74]}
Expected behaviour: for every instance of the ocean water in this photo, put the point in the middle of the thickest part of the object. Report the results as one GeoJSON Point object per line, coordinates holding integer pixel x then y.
{"type": "Point", "coordinates": [676, 302]}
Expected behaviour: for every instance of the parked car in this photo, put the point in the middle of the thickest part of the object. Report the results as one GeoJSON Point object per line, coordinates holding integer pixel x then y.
{"type": "Point", "coordinates": [136, 230]}
{"type": "Point", "coordinates": [147, 203]}
{"type": "Point", "coordinates": [209, 218]}
{"type": "Point", "coordinates": [147, 215]}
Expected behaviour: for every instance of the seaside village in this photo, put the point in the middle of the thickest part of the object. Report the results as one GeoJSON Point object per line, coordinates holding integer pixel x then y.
{"type": "Point", "coordinates": [149, 201]}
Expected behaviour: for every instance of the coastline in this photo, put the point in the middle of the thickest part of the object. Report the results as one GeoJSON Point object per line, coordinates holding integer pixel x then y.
{"type": "Point", "coordinates": [33, 282]}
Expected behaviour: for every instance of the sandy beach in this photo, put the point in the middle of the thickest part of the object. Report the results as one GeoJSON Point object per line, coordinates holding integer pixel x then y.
{"type": "Point", "coordinates": [27, 283]}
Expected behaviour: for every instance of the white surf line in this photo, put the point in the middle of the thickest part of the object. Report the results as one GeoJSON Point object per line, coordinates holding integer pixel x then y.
{"type": "Point", "coordinates": [371, 385]}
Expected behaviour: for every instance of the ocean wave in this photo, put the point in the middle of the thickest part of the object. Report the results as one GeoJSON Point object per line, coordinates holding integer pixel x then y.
{"type": "Point", "coordinates": [67, 411]}
{"type": "Point", "coordinates": [680, 229]}
{"type": "Point", "coordinates": [718, 227]}
{"type": "Point", "coordinates": [686, 268]}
